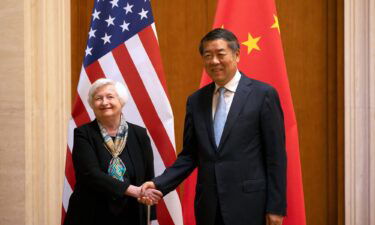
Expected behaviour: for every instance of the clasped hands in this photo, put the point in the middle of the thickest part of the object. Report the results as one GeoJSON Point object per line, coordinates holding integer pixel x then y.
{"type": "Point", "coordinates": [149, 195]}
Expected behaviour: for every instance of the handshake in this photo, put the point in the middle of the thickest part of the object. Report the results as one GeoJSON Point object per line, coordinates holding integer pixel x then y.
{"type": "Point", "coordinates": [147, 194]}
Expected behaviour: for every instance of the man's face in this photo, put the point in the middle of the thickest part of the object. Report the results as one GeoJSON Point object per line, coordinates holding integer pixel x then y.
{"type": "Point", "coordinates": [220, 61]}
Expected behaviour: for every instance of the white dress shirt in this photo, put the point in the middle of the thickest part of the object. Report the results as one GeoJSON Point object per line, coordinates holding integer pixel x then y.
{"type": "Point", "coordinates": [231, 88]}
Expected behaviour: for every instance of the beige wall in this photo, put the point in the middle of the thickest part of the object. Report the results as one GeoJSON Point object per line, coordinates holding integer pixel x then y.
{"type": "Point", "coordinates": [34, 109]}
{"type": "Point", "coordinates": [359, 112]}
{"type": "Point", "coordinates": [12, 138]}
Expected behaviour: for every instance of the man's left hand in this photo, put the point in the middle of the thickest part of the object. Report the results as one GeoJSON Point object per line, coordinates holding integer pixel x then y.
{"type": "Point", "coordinates": [273, 219]}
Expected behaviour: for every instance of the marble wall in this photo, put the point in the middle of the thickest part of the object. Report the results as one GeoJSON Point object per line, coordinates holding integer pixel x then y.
{"type": "Point", "coordinates": [34, 109]}
{"type": "Point", "coordinates": [12, 116]}
{"type": "Point", "coordinates": [359, 112]}
{"type": "Point", "coordinates": [47, 107]}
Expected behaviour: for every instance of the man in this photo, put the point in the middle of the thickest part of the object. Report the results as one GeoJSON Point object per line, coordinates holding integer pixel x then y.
{"type": "Point", "coordinates": [234, 134]}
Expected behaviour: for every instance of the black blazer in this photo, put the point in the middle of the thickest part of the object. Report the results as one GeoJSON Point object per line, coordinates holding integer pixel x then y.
{"type": "Point", "coordinates": [246, 174]}
{"type": "Point", "coordinates": [97, 196]}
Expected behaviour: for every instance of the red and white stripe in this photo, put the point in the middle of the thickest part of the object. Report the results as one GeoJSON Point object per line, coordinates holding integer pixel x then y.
{"type": "Point", "coordinates": [136, 64]}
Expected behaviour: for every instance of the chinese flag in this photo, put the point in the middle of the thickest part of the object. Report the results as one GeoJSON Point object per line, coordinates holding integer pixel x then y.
{"type": "Point", "coordinates": [256, 25]}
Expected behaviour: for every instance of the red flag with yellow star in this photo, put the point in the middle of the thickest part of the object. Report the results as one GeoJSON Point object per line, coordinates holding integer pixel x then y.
{"type": "Point", "coordinates": [256, 26]}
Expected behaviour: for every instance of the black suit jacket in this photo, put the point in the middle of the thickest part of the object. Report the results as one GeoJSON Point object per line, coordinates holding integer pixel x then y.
{"type": "Point", "coordinates": [98, 197]}
{"type": "Point", "coordinates": [246, 174]}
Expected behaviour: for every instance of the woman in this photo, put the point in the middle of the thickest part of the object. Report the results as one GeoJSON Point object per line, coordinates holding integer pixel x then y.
{"type": "Point", "coordinates": [111, 158]}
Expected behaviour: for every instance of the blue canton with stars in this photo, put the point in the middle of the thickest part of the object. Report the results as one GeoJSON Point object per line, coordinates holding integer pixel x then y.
{"type": "Point", "coordinates": [112, 23]}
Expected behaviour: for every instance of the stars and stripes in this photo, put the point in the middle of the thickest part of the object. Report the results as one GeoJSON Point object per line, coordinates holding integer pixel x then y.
{"type": "Point", "coordinates": [122, 46]}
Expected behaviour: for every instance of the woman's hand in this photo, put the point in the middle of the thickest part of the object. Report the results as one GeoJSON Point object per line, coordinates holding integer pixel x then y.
{"type": "Point", "coordinates": [149, 196]}
{"type": "Point", "coordinates": [133, 191]}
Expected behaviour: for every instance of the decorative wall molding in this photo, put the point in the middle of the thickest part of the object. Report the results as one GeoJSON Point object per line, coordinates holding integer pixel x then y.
{"type": "Point", "coordinates": [372, 108]}
{"type": "Point", "coordinates": [359, 112]}
{"type": "Point", "coordinates": [47, 106]}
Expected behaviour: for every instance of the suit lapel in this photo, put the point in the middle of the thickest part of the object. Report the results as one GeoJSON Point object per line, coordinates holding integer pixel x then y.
{"type": "Point", "coordinates": [207, 109]}
{"type": "Point", "coordinates": [134, 153]}
{"type": "Point", "coordinates": [102, 152]}
{"type": "Point", "coordinates": [239, 100]}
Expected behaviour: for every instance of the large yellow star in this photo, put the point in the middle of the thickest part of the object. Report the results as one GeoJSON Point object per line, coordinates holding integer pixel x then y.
{"type": "Point", "coordinates": [276, 23]}
{"type": "Point", "coordinates": [251, 43]}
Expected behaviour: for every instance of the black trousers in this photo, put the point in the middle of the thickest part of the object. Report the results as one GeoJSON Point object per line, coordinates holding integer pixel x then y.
{"type": "Point", "coordinates": [219, 218]}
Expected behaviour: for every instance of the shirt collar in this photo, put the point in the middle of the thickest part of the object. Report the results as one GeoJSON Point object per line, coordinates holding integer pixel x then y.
{"type": "Point", "coordinates": [232, 84]}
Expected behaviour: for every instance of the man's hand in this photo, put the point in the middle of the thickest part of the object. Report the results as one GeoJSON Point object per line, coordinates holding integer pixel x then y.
{"type": "Point", "coordinates": [273, 219]}
{"type": "Point", "coordinates": [149, 195]}
{"type": "Point", "coordinates": [147, 185]}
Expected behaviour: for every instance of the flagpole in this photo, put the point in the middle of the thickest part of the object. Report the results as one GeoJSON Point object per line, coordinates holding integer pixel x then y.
{"type": "Point", "coordinates": [148, 215]}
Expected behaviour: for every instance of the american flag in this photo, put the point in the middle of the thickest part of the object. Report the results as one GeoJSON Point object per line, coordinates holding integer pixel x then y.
{"type": "Point", "coordinates": [122, 45]}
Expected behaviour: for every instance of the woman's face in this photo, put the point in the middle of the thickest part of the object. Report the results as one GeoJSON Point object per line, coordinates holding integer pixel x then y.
{"type": "Point", "coordinates": [106, 103]}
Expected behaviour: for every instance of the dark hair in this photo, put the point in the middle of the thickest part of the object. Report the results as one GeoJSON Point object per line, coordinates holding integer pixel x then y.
{"type": "Point", "coordinates": [220, 33]}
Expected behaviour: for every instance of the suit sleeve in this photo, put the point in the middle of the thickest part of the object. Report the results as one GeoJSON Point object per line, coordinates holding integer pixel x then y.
{"type": "Point", "coordinates": [186, 160]}
{"type": "Point", "coordinates": [273, 139]}
{"type": "Point", "coordinates": [87, 168]}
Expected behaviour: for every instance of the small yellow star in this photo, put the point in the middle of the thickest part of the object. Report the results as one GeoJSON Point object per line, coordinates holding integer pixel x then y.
{"type": "Point", "coordinates": [276, 23]}
{"type": "Point", "coordinates": [251, 43]}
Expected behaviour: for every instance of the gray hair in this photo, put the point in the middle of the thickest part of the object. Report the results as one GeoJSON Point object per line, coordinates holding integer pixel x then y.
{"type": "Point", "coordinates": [119, 88]}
